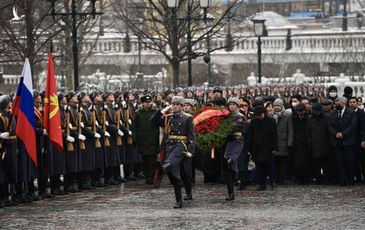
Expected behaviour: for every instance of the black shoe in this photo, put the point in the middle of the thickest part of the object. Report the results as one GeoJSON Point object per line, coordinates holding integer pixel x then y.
{"type": "Point", "coordinates": [111, 182]}
{"type": "Point", "coordinates": [178, 204]}
{"type": "Point", "coordinates": [123, 180]}
{"type": "Point", "coordinates": [99, 183]}
{"type": "Point", "coordinates": [131, 178]}
{"type": "Point", "coordinates": [242, 185]}
{"type": "Point", "coordinates": [47, 195]}
{"type": "Point", "coordinates": [8, 203]}
{"type": "Point", "coordinates": [230, 197]}
{"type": "Point", "coordinates": [2, 204]}
{"type": "Point", "coordinates": [188, 197]}
{"type": "Point", "coordinates": [166, 167]}
{"type": "Point", "coordinates": [33, 196]}
{"type": "Point", "coordinates": [273, 186]}
{"type": "Point", "coordinates": [261, 188]}
{"type": "Point", "coordinates": [149, 181]}
{"type": "Point", "coordinates": [75, 188]}
{"type": "Point", "coordinates": [140, 176]}
{"type": "Point", "coordinates": [20, 198]}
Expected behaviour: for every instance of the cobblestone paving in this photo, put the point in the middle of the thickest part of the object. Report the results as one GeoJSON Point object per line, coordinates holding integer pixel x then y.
{"type": "Point", "coordinates": [138, 206]}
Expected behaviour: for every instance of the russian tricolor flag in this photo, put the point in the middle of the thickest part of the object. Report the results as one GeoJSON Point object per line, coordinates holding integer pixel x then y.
{"type": "Point", "coordinates": [24, 110]}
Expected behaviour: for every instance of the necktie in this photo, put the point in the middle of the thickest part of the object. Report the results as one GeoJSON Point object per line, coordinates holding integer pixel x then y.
{"type": "Point", "coordinates": [339, 115]}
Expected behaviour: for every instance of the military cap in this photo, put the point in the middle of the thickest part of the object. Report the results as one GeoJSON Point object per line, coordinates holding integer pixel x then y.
{"type": "Point", "coordinates": [146, 98]}
{"type": "Point", "coordinates": [70, 95]}
{"type": "Point", "coordinates": [4, 101]}
{"type": "Point", "coordinates": [81, 95]}
{"type": "Point", "coordinates": [35, 94]}
{"type": "Point", "coordinates": [106, 95]}
{"type": "Point", "coordinates": [332, 88]}
{"type": "Point", "coordinates": [60, 96]}
{"type": "Point", "coordinates": [257, 102]}
{"type": "Point", "coordinates": [234, 100]}
{"type": "Point", "coordinates": [178, 100]}
{"type": "Point", "coordinates": [191, 102]}
{"type": "Point", "coordinates": [94, 94]}
{"type": "Point", "coordinates": [218, 89]}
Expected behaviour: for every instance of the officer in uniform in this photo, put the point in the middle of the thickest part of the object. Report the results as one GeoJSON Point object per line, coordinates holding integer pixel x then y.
{"type": "Point", "coordinates": [72, 151]}
{"type": "Point", "coordinates": [87, 157]}
{"type": "Point", "coordinates": [98, 175]}
{"type": "Point", "coordinates": [146, 137]}
{"type": "Point", "coordinates": [180, 145]}
{"type": "Point", "coordinates": [111, 151]}
{"type": "Point", "coordinates": [8, 151]}
{"type": "Point", "coordinates": [234, 145]}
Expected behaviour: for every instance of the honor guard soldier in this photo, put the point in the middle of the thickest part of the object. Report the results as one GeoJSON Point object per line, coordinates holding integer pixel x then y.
{"type": "Point", "coordinates": [87, 146]}
{"type": "Point", "coordinates": [180, 145]}
{"type": "Point", "coordinates": [72, 147]}
{"type": "Point", "coordinates": [8, 152]}
{"type": "Point", "coordinates": [97, 124]}
{"type": "Point", "coordinates": [234, 145]}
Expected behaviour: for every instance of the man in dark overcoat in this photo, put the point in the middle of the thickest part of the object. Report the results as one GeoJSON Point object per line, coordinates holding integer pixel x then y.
{"type": "Point", "coordinates": [342, 128]}
{"type": "Point", "coordinates": [262, 144]}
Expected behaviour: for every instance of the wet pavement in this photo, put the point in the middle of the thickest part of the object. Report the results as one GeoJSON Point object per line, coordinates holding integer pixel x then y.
{"type": "Point", "coordinates": [135, 205]}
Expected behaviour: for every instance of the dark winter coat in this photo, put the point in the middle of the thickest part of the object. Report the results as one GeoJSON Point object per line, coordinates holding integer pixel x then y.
{"type": "Point", "coordinates": [346, 125]}
{"type": "Point", "coordinates": [318, 135]}
{"type": "Point", "coordinates": [262, 139]}
{"type": "Point", "coordinates": [145, 133]}
{"type": "Point", "coordinates": [301, 154]}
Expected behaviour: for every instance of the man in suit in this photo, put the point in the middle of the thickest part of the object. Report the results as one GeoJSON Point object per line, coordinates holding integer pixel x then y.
{"type": "Point", "coordinates": [342, 129]}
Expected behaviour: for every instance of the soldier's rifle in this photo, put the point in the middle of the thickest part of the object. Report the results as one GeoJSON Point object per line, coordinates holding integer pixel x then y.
{"type": "Point", "coordinates": [79, 128]}
{"type": "Point", "coordinates": [70, 146]}
{"type": "Point", "coordinates": [106, 139]}
{"type": "Point", "coordinates": [93, 118]}
{"type": "Point", "coordinates": [119, 138]}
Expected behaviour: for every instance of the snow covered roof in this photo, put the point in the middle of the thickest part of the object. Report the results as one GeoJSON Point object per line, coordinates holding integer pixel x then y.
{"type": "Point", "coordinates": [274, 20]}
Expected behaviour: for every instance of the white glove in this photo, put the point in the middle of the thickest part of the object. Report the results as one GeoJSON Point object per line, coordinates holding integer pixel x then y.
{"type": "Point", "coordinates": [4, 135]}
{"type": "Point", "coordinates": [82, 124]}
{"type": "Point", "coordinates": [107, 134]}
{"type": "Point", "coordinates": [82, 137]}
{"type": "Point", "coordinates": [120, 133]}
{"type": "Point", "coordinates": [70, 125]}
{"type": "Point", "coordinates": [97, 123]}
{"type": "Point", "coordinates": [70, 139]}
{"type": "Point", "coordinates": [45, 132]}
{"type": "Point", "coordinates": [97, 135]}
{"type": "Point", "coordinates": [124, 104]}
{"type": "Point", "coordinates": [3, 156]}
{"type": "Point", "coordinates": [166, 109]}
{"type": "Point", "coordinates": [120, 122]}
{"type": "Point", "coordinates": [130, 133]}
{"type": "Point", "coordinates": [106, 123]}
{"type": "Point", "coordinates": [130, 121]}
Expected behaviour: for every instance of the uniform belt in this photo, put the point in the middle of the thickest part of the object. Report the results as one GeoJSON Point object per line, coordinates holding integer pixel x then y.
{"type": "Point", "coordinates": [74, 128]}
{"type": "Point", "coordinates": [89, 127]}
{"type": "Point", "coordinates": [179, 138]}
{"type": "Point", "coordinates": [237, 134]}
{"type": "Point", "coordinates": [11, 138]}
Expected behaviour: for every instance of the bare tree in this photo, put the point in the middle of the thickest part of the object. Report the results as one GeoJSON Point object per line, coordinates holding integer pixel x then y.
{"type": "Point", "coordinates": [153, 21]}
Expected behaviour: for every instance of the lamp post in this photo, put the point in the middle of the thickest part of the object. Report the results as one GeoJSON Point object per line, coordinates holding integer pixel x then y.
{"type": "Point", "coordinates": [77, 18]}
{"type": "Point", "coordinates": [204, 4]}
{"type": "Point", "coordinates": [344, 16]}
{"type": "Point", "coordinates": [259, 29]}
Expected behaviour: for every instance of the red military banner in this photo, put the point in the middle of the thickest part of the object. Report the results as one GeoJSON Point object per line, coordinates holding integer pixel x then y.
{"type": "Point", "coordinates": [52, 119]}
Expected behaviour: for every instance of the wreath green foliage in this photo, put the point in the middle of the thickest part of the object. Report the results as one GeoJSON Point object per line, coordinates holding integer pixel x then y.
{"type": "Point", "coordinates": [217, 138]}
